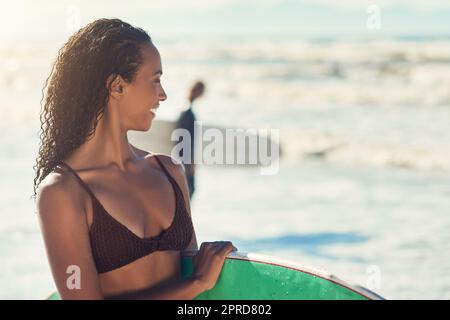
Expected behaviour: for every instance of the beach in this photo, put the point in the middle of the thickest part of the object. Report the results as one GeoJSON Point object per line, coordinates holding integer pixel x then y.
{"type": "Point", "coordinates": [363, 186]}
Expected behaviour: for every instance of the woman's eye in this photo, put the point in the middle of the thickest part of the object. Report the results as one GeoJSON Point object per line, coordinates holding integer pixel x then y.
{"type": "Point", "coordinates": [158, 80]}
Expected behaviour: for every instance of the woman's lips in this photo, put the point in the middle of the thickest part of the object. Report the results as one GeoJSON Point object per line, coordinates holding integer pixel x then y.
{"type": "Point", "coordinates": [153, 110]}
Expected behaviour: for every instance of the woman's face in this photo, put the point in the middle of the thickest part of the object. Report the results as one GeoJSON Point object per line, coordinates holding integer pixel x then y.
{"type": "Point", "coordinates": [140, 98]}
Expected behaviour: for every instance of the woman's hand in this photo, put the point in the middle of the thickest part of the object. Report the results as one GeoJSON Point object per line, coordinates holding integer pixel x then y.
{"type": "Point", "coordinates": [209, 260]}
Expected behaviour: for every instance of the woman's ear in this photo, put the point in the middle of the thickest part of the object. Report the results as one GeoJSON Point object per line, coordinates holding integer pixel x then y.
{"type": "Point", "coordinates": [115, 85]}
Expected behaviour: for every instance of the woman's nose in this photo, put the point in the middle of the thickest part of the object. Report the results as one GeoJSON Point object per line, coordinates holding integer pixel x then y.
{"type": "Point", "coordinates": [162, 95]}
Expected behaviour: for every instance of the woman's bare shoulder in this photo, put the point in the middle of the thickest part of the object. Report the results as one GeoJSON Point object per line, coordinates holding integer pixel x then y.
{"type": "Point", "coordinates": [170, 163]}
{"type": "Point", "coordinates": [175, 167]}
{"type": "Point", "coordinates": [58, 188]}
{"type": "Point", "coordinates": [55, 180]}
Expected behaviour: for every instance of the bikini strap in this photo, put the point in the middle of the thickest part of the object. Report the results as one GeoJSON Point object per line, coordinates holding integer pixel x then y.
{"type": "Point", "coordinates": [83, 184]}
{"type": "Point", "coordinates": [162, 166]}
{"type": "Point", "coordinates": [172, 180]}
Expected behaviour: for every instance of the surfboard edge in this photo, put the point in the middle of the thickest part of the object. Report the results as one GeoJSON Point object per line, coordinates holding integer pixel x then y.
{"type": "Point", "coordinates": [267, 259]}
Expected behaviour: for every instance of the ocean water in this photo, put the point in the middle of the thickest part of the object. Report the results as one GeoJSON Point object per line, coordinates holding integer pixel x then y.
{"type": "Point", "coordinates": [363, 186]}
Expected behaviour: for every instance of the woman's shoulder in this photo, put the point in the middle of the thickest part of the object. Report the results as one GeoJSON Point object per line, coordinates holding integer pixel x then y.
{"type": "Point", "coordinates": [170, 163]}
{"type": "Point", "coordinates": [176, 170]}
{"type": "Point", "coordinates": [57, 179]}
{"type": "Point", "coordinates": [58, 187]}
{"type": "Point", "coordinates": [173, 166]}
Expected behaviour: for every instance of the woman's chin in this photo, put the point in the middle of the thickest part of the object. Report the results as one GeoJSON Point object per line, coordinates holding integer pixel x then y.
{"type": "Point", "coordinates": [142, 127]}
{"type": "Point", "coordinates": [148, 124]}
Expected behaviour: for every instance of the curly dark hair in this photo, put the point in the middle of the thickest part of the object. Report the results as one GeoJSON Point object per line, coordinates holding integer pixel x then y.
{"type": "Point", "coordinates": [75, 95]}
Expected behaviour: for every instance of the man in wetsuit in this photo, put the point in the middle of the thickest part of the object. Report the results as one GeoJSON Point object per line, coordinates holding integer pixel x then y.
{"type": "Point", "coordinates": [186, 121]}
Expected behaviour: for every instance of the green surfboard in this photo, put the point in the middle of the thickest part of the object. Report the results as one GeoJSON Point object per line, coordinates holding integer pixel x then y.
{"type": "Point", "coordinates": [260, 277]}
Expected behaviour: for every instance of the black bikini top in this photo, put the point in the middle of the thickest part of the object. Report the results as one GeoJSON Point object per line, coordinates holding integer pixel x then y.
{"type": "Point", "coordinates": [114, 245]}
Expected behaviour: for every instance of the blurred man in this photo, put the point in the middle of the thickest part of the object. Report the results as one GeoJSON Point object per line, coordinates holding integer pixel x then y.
{"type": "Point", "coordinates": [186, 121]}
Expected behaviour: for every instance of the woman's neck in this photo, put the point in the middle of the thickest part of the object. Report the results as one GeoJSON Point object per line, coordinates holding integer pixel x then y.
{"type": "Point", "coordinates": [108, 146]}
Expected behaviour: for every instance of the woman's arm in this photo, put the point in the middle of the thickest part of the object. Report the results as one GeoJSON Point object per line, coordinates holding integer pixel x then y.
{"type": "Point", "coordinates": [184, 289]}
{"type": "Point", "coordinates": [66, 235]}
{"type": "Point", "coordinates": [207, 264]}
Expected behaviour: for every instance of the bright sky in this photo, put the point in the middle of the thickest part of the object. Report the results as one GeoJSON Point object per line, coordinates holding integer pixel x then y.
{"type": "Point", "coordinates": [49, 19]}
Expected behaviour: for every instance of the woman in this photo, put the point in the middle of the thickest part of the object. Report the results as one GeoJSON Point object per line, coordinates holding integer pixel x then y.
{"type": "Point", "coordinates": [114, 218]}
